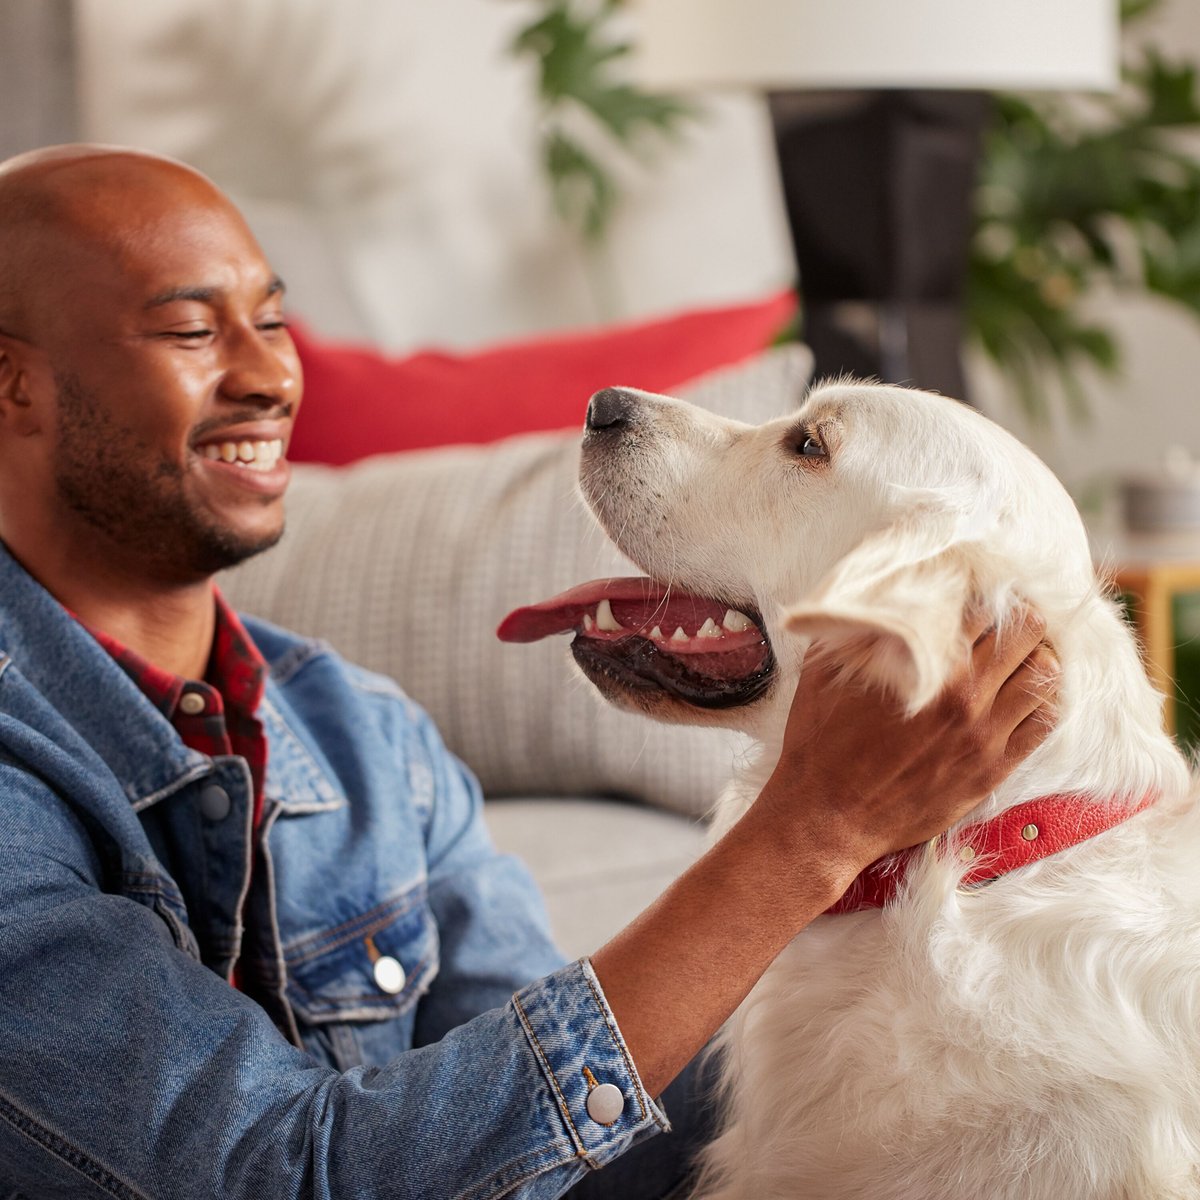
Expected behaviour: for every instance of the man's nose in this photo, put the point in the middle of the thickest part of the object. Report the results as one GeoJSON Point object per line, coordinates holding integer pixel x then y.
{"type": "Point", "coordinates": [262, 367]}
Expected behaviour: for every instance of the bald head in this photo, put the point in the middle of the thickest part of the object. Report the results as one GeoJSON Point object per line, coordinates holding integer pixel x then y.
{"type": "Point", "coordinates": [62, 201]}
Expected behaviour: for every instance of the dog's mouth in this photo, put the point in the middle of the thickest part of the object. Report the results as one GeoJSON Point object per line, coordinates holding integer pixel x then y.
{"type": "Point", "coordinates": [643, 635]}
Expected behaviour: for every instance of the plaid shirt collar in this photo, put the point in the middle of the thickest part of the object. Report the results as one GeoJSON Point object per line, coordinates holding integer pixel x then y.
{"type": "Point", "coordinates": [237, 671]}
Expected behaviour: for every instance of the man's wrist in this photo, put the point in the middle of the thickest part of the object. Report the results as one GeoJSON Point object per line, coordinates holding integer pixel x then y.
{"type": "Point", "coordinates": [820, 856]}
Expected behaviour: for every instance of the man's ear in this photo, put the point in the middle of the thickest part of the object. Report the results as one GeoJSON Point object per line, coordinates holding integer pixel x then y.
{"type": "Point", "coordinates": [892, 609]}
{"type": "Point", "coordinates": [18, 412]}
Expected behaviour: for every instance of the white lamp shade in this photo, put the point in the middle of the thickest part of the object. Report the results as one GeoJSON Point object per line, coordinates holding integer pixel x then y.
{"type": "Point", "coordinates": [976, 44]}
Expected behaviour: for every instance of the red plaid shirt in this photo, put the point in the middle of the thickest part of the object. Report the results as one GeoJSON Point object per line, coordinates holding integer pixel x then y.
{"type": "Point", "coordinates": [231, 690]}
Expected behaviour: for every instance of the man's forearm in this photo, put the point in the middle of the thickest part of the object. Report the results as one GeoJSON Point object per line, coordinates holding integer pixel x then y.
{"type": "Point", "coordinates": [676, 973]}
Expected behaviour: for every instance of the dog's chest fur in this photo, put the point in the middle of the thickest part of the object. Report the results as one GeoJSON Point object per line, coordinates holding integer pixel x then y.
{"type": "Point", "coordinates": [1037, 1039]}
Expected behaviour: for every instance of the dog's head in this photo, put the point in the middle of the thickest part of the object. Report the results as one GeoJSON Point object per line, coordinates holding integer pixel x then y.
{"type": "Point", "coordinates": [871, 517]}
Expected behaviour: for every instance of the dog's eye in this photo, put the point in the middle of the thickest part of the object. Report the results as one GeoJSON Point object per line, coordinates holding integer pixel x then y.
{"type": "Point", "coordinates": [805, 441]}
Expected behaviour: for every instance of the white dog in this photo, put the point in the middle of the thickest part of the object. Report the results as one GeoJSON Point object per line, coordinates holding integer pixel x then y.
{"type": "Point", "coordinates": [1034, 1035]}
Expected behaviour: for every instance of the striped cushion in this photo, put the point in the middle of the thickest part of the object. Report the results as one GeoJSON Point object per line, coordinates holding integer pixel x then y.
{"type": "Point", "coordinates": [407, 562]}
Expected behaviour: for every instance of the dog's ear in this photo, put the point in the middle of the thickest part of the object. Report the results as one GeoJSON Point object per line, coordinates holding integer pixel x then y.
{"type": "Point", "coordinates": [892, 609]}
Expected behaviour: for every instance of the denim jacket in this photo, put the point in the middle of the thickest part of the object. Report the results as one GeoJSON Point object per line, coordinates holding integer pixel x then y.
{"type": "Point", "coordinates": [130, 1068]}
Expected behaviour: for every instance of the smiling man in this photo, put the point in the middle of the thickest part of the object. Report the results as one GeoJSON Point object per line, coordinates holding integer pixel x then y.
{"type": "Point", "coordinates": [135, 296]}
{"type": "Point", "coordinates": [254, 940]}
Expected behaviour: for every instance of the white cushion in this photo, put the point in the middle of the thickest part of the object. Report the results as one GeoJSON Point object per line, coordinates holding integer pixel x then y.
{"type": "Point", "coordinates": [408, 562]}
{"type": "Point", "coordinates": [599, 863]}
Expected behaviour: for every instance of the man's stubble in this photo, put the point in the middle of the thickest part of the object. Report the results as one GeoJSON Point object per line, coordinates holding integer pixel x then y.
{"type": "Point", "coordinates": [134, 496]}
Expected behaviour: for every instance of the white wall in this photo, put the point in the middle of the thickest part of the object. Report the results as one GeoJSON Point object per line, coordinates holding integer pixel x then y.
{"type": "Point", "coordinates": [387, 155]}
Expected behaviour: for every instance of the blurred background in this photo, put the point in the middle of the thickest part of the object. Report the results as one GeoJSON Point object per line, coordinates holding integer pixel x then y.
{"type": "Point", "coordinates": [392, 158]}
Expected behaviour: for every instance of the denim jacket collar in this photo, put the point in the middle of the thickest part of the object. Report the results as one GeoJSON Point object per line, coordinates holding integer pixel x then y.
{"type": "Point", "coordinates": [53, 651]}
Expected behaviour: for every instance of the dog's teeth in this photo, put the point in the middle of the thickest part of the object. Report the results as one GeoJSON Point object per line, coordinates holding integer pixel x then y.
{"type": "Point", "coordinates": [679, 635]}
{"type": "Point", "coordinates": [736, 622]}
{"type": "Point", "coordinates": [605, 619]}
{"type": "Point", "coordinates": [709, 629]}
{"type": "Point", "coordinates": [656, 633]}
{"type": "Point", "coordinates": [588, 623]}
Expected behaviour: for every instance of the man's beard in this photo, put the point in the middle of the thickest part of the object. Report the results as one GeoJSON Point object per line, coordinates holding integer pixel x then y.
{"type": "Point", "coordinates": [136, 497]}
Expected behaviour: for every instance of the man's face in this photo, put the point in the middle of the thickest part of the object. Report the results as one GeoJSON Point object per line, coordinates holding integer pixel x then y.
{"type": "Point", "coordinates": [176, 383]}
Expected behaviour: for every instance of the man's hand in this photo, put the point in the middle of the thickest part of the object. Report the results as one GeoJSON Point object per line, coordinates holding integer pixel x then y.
{"type": "Point", "coordinates": [856, 779]}
{"type": "Point", "coordinates": [865, 780]}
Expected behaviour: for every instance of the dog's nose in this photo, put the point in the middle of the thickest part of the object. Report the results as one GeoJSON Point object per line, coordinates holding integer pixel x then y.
{"type": "Point", "coordinates": [611, 410]}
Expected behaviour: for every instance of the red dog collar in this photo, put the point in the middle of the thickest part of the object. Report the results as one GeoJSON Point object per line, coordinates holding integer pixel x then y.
{"type": "Point", "coordinates": [1017, 837]}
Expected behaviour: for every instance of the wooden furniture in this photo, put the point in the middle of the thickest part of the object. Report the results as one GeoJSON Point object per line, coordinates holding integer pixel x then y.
{"type": "Point", "coordinates": [1152, 569]}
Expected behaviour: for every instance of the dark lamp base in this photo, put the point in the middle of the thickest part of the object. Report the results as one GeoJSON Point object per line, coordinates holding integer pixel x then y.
{"type": "Point", "coordinates": [878, 188]}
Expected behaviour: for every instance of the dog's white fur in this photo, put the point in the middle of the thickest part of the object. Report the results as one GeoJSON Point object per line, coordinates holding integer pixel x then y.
{"type": "Point", "coordinates": [1037, 1038]}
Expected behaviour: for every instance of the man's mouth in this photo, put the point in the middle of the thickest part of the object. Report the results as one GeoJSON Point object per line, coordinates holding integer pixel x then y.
{"type": "Point", "coordinates": [254, 455]}
{"type": "Point", "coordinates": [646, 636]}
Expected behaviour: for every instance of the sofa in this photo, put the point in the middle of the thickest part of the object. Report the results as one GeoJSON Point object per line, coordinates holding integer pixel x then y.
{"type": "Point", "coordinates": [407, 560]}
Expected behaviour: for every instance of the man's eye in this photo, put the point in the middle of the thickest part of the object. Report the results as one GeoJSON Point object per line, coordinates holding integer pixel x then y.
{"type": "Point", "coordinates": [274, 324]}
{"type": "Point", "coordinates": [190, 334]}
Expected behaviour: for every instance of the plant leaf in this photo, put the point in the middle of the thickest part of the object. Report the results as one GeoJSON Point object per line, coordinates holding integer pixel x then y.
{"type": "Point", "coordinates": [579, 77]}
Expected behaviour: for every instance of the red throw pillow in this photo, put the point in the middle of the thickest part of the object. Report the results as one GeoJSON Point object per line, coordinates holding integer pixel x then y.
{"type": "Point", "coordinates": [359, 402]}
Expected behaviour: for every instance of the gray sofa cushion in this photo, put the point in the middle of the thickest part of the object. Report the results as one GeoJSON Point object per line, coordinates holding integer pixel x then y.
{"type": "Point", "coordinates": [599, 862]}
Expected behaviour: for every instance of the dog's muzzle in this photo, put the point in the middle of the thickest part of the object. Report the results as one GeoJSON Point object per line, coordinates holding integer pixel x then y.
{"type": "Point", "coordinates": [644, 636]}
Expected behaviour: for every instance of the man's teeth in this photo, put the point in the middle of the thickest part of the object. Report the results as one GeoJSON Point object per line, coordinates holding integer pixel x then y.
{"type": "Point", "coordinates": [258, 456]}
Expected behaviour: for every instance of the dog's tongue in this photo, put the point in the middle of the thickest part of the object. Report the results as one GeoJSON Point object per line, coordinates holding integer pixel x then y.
{"type": "Point", "coordinates": [676, 622]}
{"type": "Point", "coordinates": [564, 613]}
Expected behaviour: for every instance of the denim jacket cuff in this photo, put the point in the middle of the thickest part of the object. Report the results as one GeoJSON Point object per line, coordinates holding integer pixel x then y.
{"type": "Point", "coordinates": [587, 1066]}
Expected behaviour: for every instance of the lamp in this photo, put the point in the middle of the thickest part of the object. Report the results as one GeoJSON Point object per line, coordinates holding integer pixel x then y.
{"type": "Point", "coordinates": [878, 183]}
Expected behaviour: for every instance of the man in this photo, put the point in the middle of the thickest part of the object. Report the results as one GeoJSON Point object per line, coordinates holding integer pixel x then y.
{"type": "Point", "coordinates": [253, 938]}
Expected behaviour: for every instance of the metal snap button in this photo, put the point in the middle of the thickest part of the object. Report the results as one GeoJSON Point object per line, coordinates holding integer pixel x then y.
{"type": "Point", "coordinates": [191, 703]}
{"type": "Point", "coordinates": [605, 1103]}
{"type": "Point", "coordinates": [215, 803]}
{"type": "Point", "coordinates": [389, 975]}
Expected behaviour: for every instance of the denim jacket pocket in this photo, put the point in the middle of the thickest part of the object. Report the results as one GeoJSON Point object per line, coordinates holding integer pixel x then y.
{"type": "Point", "coordinates": [345, 982]}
